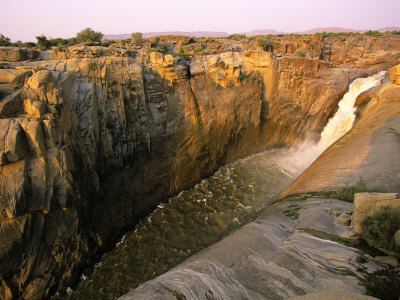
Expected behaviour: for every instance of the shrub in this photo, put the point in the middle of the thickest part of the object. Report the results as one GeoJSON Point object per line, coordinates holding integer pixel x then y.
{"type": "Point", "coordinates": [17, 44]}
{"type": "Point", "coordinates": [291, 212]}
{"type": "Point", "coordinates": [347, 193]}
{"type": "Point", "coordinates": [4, 41]}
{"type": "Point", "coordinates": [58, 42]}
{"type": "Point", "coordinates": [301, 53]}
{"type": "Point", "coordinates": [181, 52]}
{"type": "Point", "coordinates": [379, 228]}
{"type": "Point", "coordinates": [266, 45]}
{"type": "Point", "coordinates": [236, 36]}
{"type": "Point", "coordinates": [88, 35]}
{"type": "Point", "coordinates": [137, 37]}
{"type": "Point", "coordinates": [162, 49]}
{"type": "Point", "coordinates": [42, 42]}
{"type": "Point", "coordinates": [29, 44]}
{"type": "Point", "coordinates": [371, 32]}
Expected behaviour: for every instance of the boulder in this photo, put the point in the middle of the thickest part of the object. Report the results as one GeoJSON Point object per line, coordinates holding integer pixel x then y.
{"type": "Point", "coordinates": [43, 83]}
{"type": "Point", "coordinates": [11, 106]}
{"type": "Point", "coordinates": [388, 260]}
{"type": "Point", "coordinates": [12, 76]}
{"type": "Point", "coordinates": [156, 58]}
{"type": "Point", "coordinates": [34, 108]}
{"type": "Point", "coordinates": [394, 74]}
{"type": "Point", "coordinates": [12, 141]}
{"type": "Point", "coordinates": [367, 203]}
{"type": "Point", "coordinates": [344, 220]}
{"type": "Point", "coordinates": [17, 54]}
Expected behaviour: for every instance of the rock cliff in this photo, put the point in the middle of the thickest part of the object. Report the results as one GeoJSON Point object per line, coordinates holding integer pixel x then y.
{"type": "Point", "coordinates": [93, 140]}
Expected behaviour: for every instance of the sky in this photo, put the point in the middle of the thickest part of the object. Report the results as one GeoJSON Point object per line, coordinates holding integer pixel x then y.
{"type": "Point", "coordinates": [25, 19]}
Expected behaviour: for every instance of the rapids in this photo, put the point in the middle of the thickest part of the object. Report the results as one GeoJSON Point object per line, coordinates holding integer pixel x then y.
{"type": "Point", "coordinates": [200, 216]}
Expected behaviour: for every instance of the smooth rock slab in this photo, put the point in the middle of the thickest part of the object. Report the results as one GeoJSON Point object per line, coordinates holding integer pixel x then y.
{"type": "Point", "coordinates": [274, 257]}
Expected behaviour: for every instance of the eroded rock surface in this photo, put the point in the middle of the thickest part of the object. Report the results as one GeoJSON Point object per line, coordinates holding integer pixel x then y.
{"type": "Point", "coordinates": [90, 143]}
{"type": "Point", "coordinates": [274, 257]}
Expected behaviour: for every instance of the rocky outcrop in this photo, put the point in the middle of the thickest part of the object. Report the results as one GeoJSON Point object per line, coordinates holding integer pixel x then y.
{"type": "Point", "coordinates": [17, 54]}
{"type": "Point", "coordinates": [394, 74]}
{"type": "Point", "coordinates": [366, 204]}
{"type": "Point", "coordinates": [93, 142]}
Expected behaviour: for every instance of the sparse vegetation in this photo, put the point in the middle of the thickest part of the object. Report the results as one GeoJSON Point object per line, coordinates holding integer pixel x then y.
{"type": "Point", "coordinates": [384, 285]}
{"type": "Point", "coordinates": [347, 193]}
{"type": "Point", "coordinates": [4, 41]}
{"type": "Point", "coordinates": [371, 32]}
{"type": "Point", "coordinates": [137, 37]}
{"type": "Point", "coordinates": [291, 212]}
{"type": "Point", "coordinates": [236, 36]}
{"type": "Point", "coordinates": [301, 53]}
{"type": "Point", "coordinates": [88, 35]}
{"type": "Point", "coordinates": [264, 44]}
{"type": "Point", "coordinates": [379, 228]}
{"type": "Point", "coordinates": [181, 52]}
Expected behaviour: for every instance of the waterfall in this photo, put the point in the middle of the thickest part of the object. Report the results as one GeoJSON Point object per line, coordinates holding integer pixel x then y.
{"type": "Point", "coordinates": [298, 158]}
{"type": "Point", "coordinates": [343, 120]}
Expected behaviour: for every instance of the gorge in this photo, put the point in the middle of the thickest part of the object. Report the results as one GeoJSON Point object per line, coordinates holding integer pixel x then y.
{"type": "Point", "coordinates": [94, 138]}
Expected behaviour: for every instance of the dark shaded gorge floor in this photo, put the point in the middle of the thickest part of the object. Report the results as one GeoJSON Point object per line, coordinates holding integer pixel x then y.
{"type": "Point", "coordinates": [190, 221]}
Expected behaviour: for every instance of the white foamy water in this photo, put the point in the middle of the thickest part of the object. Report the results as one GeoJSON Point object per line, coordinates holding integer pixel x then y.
{"type": "Point", "coordinates": [343, 120]}
{"type": "Point", "coordinates": [296, 159]}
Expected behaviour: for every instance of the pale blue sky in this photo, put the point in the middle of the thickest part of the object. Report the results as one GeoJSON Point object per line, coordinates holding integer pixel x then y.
{"type": "Point", "coordinates": [25, 19]}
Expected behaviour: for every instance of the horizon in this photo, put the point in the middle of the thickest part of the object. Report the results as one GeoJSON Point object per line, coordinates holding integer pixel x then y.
{"type": "Point", "coordinates": [24, 21]}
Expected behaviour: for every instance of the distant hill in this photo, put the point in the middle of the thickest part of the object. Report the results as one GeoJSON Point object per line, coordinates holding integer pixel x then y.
{"type": "Point", "coordinates": [151, 34]}
{"type": "Point", "coordinates": [262, 32]}
{"type": "Point", "coordinates": [247, 33]}
{"type": "Point", "coordinates": [328, 29]}
{"type": "Point", "coordinates": [389, 29]}
{"type": "Point", "coordinates": [340, 29]}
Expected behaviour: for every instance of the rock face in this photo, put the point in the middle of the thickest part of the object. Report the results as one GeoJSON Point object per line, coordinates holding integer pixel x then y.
{"type": "Point", "coordinates": [93, 142]}
{"type": "Point", "coordinates": [366, 204]}
{"type": "Point", "coordinates": [394, 74]}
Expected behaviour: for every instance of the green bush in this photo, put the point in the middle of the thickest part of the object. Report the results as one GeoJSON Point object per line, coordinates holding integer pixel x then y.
{"type": "Point", "coordinates": [236, 36]}
{"type": "Point", "coordinates": [4, 41]}
{"type": "Point", "coordinates": [29, 44]}
{"type": "Point", "coordinates": [137, 37]}
{"type": "Point", "coordinates": [371, 32]}
{"type": "Point", "coordinates": [264, 44]}
{"type": "Point", "coordinates": [347, 193]}
{"type": "Point", "coordinates": [88, 35]}
{"type": "Point", "coordinates": [181, 52]}
{"type": "Point", "coordinates": [42, 42]}
{"type": "Point", "coordinates": [379, 228]}
{"type": "Point", "coordinates": [301, 53]}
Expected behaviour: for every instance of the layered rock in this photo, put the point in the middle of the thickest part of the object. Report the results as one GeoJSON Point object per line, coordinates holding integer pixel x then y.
{"type": "Point", "coordinates": [17, 54]}
{"type": "Point", "coordinates": [92, 142]}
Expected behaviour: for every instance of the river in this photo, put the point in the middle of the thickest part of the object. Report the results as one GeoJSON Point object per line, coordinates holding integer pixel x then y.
{"type": "Point", "coordinates": [202, 215]}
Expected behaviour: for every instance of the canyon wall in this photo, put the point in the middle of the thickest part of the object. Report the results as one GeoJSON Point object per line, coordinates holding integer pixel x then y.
{"type": "Point", "coordinates": [92, 141]}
